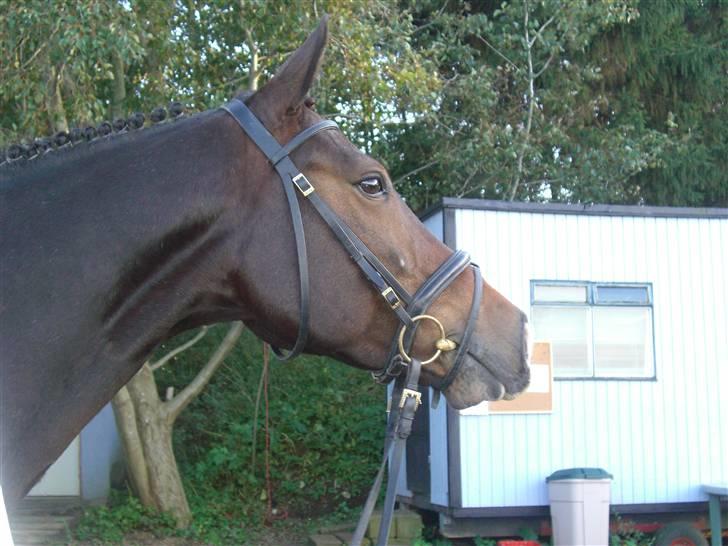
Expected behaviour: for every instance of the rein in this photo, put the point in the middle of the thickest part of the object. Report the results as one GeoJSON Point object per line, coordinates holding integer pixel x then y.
{"type": "Point", "coordinates": [410, 309]}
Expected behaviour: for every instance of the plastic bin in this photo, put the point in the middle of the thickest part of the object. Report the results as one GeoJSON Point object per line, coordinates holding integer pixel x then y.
{"type": "Point", "coordinates": [579, 499]}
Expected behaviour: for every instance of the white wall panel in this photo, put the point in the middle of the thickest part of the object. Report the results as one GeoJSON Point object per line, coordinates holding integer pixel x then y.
{"type": "Point", "coordinates": [661, 439]}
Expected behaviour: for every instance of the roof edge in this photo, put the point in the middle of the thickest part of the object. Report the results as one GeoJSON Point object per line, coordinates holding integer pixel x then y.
{"type": "Point", "coordinates": [570, 208]}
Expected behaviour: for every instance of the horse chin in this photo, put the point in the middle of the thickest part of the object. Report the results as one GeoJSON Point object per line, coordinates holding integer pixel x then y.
{"type": "Point", "coordinates": [487, 378]}
{"type": "Point", "coordinates": [473, 385]}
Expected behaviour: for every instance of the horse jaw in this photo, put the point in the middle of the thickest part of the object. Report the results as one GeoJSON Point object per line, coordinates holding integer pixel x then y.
{"type": "Point", "coordinates": [496, 365]}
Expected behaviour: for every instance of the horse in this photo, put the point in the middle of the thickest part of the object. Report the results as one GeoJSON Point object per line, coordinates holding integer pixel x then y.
{"type": "Point", "coordinates": [110, 247]}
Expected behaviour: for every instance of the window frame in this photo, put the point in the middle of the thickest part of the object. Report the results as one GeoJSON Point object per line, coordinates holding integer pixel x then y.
{"type": "Point", "coordinates": [592, 301]}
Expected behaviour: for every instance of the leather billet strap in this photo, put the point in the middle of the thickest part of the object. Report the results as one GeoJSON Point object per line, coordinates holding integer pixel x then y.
{"type": "Point", "coordinates": [404, 401]}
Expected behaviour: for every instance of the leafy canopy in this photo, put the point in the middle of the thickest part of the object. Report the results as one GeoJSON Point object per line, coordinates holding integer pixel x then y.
{"type": "Point", "coordinates": [617, 101]}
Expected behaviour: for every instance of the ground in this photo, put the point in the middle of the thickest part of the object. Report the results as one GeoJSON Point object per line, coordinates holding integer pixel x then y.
{"type": "Point", "coordinates": [281, 535]}
{"type": "Point", "coordinates": [275, 538]}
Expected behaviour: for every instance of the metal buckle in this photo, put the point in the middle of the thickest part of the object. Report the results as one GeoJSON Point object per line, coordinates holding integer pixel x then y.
{"type": "Point", "coordinates": [409, 393]}
{"type": "Point", "coordinates": [306, 188]}
{"type": "Point", "coordinates": [390, 291]}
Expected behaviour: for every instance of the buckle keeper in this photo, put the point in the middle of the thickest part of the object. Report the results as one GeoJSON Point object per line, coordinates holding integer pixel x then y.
{"type": "Point", "coordinates": [391, 297]}
{"type": "Point", "coordinates": [303, 185]}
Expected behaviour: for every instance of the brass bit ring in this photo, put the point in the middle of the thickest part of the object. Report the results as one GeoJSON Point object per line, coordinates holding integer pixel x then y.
{"type": "Point", "coordinates": [439, 343]}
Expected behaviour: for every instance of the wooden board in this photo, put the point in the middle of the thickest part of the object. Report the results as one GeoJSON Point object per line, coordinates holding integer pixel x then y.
{"type": "Point", "coordinates": [538, 398]}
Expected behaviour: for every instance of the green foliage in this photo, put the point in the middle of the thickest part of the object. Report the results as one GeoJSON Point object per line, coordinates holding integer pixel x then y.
{"type": "Point", "coordinates": [478, 541]}
{"type": "Point", "coordinates": [627, 535]}
{"type": "Point", "coordinates": [633, 538]}
{"type": "Point", "coordinates": [57, 62]}
{"type": "Point", "coordinates": [668, 73]}
{"type": "Point", "coordinates": [527, 533]}
{"type": "Point", "coordinates": [326, 433]}
{"type": "Point", "coordinates": [434, 542]}
{"type": "Point", "coordinates": [618, 101]}
{"type": "Point", "coordinates": [108, 524]}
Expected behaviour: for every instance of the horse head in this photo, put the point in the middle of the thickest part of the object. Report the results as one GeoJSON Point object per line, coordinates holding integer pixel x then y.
{"type": "Point", "coordinates": [349, 320]}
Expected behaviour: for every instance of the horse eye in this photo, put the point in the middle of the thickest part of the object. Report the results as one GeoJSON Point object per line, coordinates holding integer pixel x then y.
{"type": "Point", "coordinates": [372, 186]}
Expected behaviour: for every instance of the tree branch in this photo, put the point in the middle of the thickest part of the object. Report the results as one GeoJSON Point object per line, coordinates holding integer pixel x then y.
{"type": "Point", "coordinates": [463, 188]}
{"type": "Point", "coordinates": [486, 42]}
{"type": "Point", "coordinates": [415, 171]}
{"type": "Point", "coordinates": [118, 90]}
{"type": "Point", "coordinates": [170, 355]}
{"type": "Point", "coordinates": [545, 66]}
{"type": "Point", "coordinates": [433, 20]}
{"type": "Point", "coordinates": [254, 58]}
{"type": "Point", "coordinates": [45, 43]}
{"type": "Point", "coordinates": [175, 406]}
{"type": "Point", "coordinates": [539, 32]}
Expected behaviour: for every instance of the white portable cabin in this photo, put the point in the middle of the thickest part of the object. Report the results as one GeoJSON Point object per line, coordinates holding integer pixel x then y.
{"type": "Point", "coordinates": [634, 301]}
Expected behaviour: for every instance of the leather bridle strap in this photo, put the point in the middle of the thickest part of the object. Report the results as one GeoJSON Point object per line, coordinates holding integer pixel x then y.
{"type": "Point", "coordinates": [408, 308]}
{"type": "Point", "coordinates": [286, 170]}
{"type": "Point", "coordinates": [420, 302]}
{"type": "Point", "coordinates": [467, 334]}
{"type": "Point", "coordinates": [405, 393]}
{"type": "Point", "coordinates": [293, 179]}
{"type": "Point", "coordinates": [403, 404]}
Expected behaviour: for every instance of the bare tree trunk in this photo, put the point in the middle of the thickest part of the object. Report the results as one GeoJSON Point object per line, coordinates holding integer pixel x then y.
{"type": "Point", "coordinates": [146, 425]}
{"type": "Point", "coordinates": [253, 72]}
{"type": "Point", "coordinates": [531, 101]}
{"type": "Point", "coordinates": [132, 444]}
{"type": "Point", "coordinates": [532, 77]}
{"type": "Point", "coordinates": [155, 435]}
{"type": "Point", "coordinates": [54, 100]}
{"type": "Point", "coordinates": [119, 90]}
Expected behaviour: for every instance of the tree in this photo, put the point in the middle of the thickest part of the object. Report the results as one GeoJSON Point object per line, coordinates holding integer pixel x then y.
{"type": "Point", "coordinates": [548, 100]}
{"type": "Point", "coordinates": [145, 424]}
{"type": "Point", "coordinates": [582, 101]}
{"type": "Point", "coordinates": [57, 56]}
{"type": "Point", "coordinates": [666, 74]}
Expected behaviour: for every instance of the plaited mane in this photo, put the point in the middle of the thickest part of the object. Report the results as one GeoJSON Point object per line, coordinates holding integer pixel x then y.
{"type": "Point", "coordinates": [39, 147]}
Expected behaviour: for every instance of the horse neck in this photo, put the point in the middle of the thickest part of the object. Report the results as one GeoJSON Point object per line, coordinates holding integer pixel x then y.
{"type": "Point", "coordinates": [120, 244]}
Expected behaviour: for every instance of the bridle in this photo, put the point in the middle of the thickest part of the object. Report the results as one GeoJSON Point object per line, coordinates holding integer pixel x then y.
{"type": "Point", "coordinates": [410, 308]}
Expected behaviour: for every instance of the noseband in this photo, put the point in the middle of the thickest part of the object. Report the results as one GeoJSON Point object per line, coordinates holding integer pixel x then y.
{"type": "Point", "coordinates": [410, 309]}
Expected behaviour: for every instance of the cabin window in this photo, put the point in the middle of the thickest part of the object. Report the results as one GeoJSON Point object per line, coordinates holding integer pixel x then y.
{"type": "Point", "coordinates": [596, 330]}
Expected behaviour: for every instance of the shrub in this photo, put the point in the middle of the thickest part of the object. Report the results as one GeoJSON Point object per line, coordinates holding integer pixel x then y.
{"type": "Point", "coordinates": [109, 524]}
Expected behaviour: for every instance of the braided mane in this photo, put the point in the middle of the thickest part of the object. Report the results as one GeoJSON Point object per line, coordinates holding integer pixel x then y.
{"type": "Point", "coordinates": [39, 147]}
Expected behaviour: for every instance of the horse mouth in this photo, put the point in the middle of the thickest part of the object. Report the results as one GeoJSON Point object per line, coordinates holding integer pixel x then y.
{"type": "Point", "coordinates": [485, 376]}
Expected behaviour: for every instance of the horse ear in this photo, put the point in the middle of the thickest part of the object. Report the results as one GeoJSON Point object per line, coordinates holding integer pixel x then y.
{"type": "Point", "coordinates": [288, 89]}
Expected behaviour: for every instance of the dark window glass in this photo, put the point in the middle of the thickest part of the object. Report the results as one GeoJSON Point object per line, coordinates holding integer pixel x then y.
{"type": "Point", "coordinates": [622, 294]}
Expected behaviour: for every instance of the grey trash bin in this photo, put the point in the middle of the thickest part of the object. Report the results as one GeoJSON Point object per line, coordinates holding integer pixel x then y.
{"type": "Point", "coordinates": [579, 499]}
